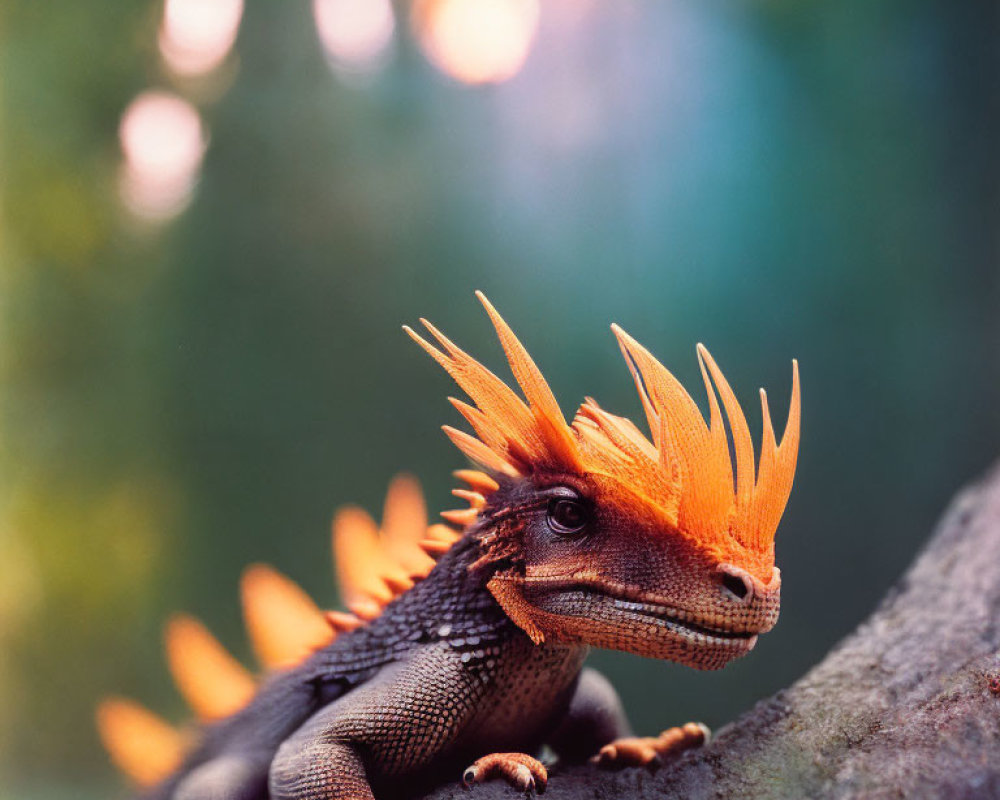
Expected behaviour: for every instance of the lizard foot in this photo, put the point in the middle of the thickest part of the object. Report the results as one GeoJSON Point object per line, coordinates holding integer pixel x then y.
{"type": "Point", "coordinates": [519, 770]}
{"type": "Point", "coordinates": [649, 751]}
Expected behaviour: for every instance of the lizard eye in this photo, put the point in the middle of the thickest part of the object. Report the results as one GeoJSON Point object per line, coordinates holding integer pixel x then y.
{"type": "Point", "coordinates": [567, 517]}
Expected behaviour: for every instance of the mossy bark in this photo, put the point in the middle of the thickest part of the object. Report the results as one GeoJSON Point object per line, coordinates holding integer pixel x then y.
{"type": "Point", "coordinates": [907, 706]}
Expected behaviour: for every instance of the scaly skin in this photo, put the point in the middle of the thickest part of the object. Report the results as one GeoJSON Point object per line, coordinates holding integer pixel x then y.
{"type": "Point", "coordinates": [444, 676]}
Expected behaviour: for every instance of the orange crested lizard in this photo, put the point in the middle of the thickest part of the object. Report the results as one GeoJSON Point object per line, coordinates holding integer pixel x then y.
{"type": "Point", "coordinates": [465, 643]}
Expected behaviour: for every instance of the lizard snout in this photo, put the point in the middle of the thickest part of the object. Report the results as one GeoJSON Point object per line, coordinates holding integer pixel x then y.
{"type": "Point", "coordinates": [753, 602]}
{"type": "Point", "coordinates": [740, 586]}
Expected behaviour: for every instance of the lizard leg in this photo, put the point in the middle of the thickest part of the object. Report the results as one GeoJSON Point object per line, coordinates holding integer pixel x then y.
{"type": "Point", "coordinates": [319, 771]}
{"type": "Point", "coordinates": [518, 769]}
{"type": "Point", "coordinates": [395, 725]}
{"type": "Point", "coordinates": [650, 751]}
{"type": "Point", "coordinates": [594, 718]}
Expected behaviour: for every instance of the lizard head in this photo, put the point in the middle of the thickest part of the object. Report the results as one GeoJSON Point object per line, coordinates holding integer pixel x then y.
{"type": "Point", "coordinates": [592, 533]}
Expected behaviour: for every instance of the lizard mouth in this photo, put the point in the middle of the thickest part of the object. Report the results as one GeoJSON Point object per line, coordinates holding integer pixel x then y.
{"type": "Point", "coordinates": [576, 598]}
{"type": "Point", "coordinates": [668, 617]}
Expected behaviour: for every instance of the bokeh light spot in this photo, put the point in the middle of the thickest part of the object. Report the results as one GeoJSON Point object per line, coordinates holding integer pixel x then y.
{"type": "Point", "coordinates": [477, 41]}
{"type": "Point", "coordinates": [197, 35]}
{"type": "Point", "coordinates": [163, 141]}
{"type": "Point", "coordinates": [356, 34]}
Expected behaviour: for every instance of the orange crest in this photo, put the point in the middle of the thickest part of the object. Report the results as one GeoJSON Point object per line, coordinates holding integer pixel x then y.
{"type": "Point", "coordinates": [685, 475]}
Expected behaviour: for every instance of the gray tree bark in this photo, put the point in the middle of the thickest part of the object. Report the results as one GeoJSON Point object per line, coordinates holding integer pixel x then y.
{"type": "Point", "coordinates": [907, 706]}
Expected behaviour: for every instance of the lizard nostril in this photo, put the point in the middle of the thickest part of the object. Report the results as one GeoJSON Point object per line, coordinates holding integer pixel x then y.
{"type": "Point", "coordinates": [735, 585]}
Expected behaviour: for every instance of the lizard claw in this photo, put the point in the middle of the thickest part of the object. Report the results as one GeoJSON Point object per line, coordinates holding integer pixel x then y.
{"type": "Point", "coordinates": [649, 751]}
{"type": "Point", "coordinates": [519, 770]}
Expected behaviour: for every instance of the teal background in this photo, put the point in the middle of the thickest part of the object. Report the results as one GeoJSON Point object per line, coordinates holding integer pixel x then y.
{"type": "Point", "coordinates": [776, 179]}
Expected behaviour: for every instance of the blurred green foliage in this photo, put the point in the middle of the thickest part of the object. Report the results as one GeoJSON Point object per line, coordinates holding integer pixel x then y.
{"type": "Point", "coordinates": [776, 179]}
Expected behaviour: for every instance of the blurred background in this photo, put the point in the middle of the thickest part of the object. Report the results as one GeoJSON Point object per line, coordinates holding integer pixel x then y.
{"type": "Point", "coordinates": [214, 219]}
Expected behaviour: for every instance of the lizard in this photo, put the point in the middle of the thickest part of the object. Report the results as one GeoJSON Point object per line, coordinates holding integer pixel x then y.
{"type": "Point", "coordinates": [578, 535]}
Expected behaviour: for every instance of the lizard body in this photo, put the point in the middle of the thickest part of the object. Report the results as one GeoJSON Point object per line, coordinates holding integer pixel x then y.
{"type": "Point", "coordinates": [577, 536]}
{"type": "Point", "coordinates": [450, 675]}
